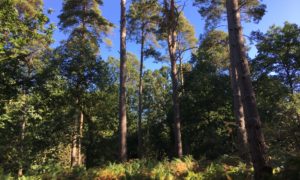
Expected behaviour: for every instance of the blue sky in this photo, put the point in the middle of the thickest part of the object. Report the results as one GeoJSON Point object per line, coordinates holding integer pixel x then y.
{"type": "Point", "coordinates": [278, 11]}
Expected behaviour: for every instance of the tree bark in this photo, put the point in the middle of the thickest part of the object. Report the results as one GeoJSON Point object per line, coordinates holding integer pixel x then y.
{"type": "Point", "coordinates": [140, 138]}
{"type": "Point", "coordinates": [79, 141]}
{"type": "Point", "coordinates": [76, 155]}
{"type": "Point", "coordinates": [181, 71]}
{"type": "Point", "coordinates": [176, 109]}
{"type": "Point", "coordinates": [239, 116]}
{"type": "Point", "coordinates": [74, 150]}
{"type": "Point", "coordinates": [253, 124]}
{"type": "Point", "coordinates": [122, 95]}
{"type": "Point", "coordinates": [172, 47]}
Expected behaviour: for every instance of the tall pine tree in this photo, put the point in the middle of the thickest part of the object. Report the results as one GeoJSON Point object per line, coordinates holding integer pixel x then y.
{"type": "Point", "coordinates": [122, 95]}
{"type": "Point", "coordinates": [179, 35]}
{"type": "Point", "coordinates": [142, 25]}
{"type": "Point", "coordinates": [252, 10]}
{"type": "Point", "coordinates": [83, 20]}
{"type": "Point", "coordinates": [169, 26]}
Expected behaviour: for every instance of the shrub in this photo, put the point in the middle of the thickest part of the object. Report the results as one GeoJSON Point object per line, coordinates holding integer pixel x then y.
{"type": "Point", "coordinates": [111, 172]}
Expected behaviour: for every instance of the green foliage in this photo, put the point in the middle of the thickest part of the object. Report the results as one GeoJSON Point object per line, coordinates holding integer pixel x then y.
{"type": "Point", "coordinates": [206, 110]}
{"type": "Point", "coordinates": [214, 48]}
{"type": "Point", "coordinates": [185, 168]}
{"type": "Point", "coordinates": [84, 17]}
{"type": "Point", "coordinates": [148, 169]}
{"type": "Point", "coordinates": [157, 104]}
{"type": "Point", "coordinates": [278, 54]}
{"type": "Point", "coordinates": [184, 31]}
{"type": "Point", "coordinates": [143, 16]}
{"type": "Point", "coordinates": [213, 11]}
{"type": "Point", "coordinates": [186, 34]}
{"type": "Point", "coordinates": [25, 38]}
{"type": "Point", "coordinates": [275, 71]}
{"type": "Point", "coordinates": [23, 31]}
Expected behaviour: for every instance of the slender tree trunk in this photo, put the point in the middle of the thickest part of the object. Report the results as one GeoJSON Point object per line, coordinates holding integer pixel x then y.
{"type": "Point", "coordinates": [239, 116]}
{"type": "Point", "coordinates": [180, 74]}
{"type": "Point", "coordinates": [79, 140]}
{"type": "Point", "coordinates": [172, 46]}
{"type": "Point", "coordinates": [176, 109]}
{"type": "Point", "coordinates": [122, 95]}
{"type": "Point", "coordinates": [74, 150]}
{"type": "Point", "coordinates": [253, 124]}
{"type": "Point", "coordinates": [76, 156]}
{"type": "Point", "coordinates": [181, 71]}
{"type": "Point", "coordinates": [140, 138]}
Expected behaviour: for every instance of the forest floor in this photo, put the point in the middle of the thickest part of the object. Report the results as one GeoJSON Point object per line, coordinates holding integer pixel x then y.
{"type": "Point", "coordinates": [227, 167]}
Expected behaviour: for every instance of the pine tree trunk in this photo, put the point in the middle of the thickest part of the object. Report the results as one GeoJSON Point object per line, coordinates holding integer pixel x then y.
{"type": "Point", "coordinates": [76, 156]}
{"type": "Point", "coordinates": [172, 46]}
{"type": "Point", "coordinates": [74, 150]}
{"type": "Point", "coordinates": [253, 123]}
{"type": "Point", "coordinates": [239, 116]}
{"type": "Point", "coordinates": [176, 109]}
{"type": "Point", "coordinates": [140, 138]}
{"type": "Point", "coordinates": [79, 140]}
{"type": "Point", "coordinates": [122, 95]}
{"type": "Point", "coordinates": [181, 71]}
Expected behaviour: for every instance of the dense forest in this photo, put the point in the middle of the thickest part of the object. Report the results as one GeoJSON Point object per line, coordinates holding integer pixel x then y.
{"type": "Point", "coordinates": [211, 111]}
